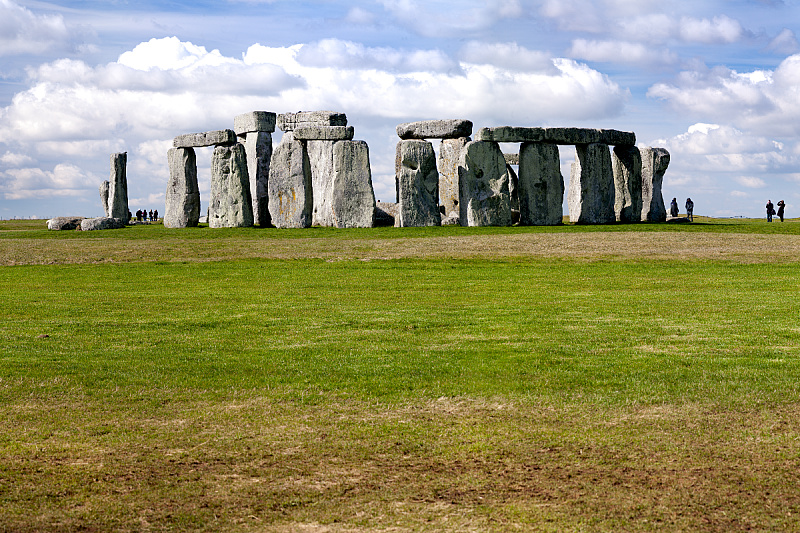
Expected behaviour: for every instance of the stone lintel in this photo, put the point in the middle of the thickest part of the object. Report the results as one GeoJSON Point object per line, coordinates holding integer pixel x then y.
{"type": "Point", "coordinates": [292, 121]}
{"type": "Point", "coordinates": [572, 136]}
{"type": "Point", "coordinates": [254, 121]}
{"type": "Point", "coordinates": [324, 133]}
{"type": "Point", "coordinates": [208, 138]}
{"type": "Point", "coordinates": [435, 129]}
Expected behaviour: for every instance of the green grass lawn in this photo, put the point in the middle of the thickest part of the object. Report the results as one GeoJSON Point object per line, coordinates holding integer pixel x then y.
{"type": "Point", "coordinates": [348, 393]}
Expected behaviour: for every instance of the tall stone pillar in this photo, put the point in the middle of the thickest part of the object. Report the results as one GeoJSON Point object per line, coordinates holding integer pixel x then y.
{"type": "Point", "coordinates": [541, 185]}
{"type": "Point", "coordinates": [484, 197]}
{"type": "Point", "coordinates": [417, 184]}
{"type": "Point", "coordinates": [591, 187]}
{"type": "Point", "coordinates": [182, 201]}
{"type": "Point", "coordinates": [118, 187]}
{"type": "Point", "coordinates": [654, 163]}
{"type": "Point", "coordinates": [104, 188]}
{"type": "Point", "coordinates": [254, 131]}
{"type": "Point", "coordinates": [320, 160]}
{"type": "Point", "coordinates": [627, 163]}
{"type": "Point", "coordinates": [290, 195]}
{"type": "Point", "coordinates": [231, 204]}
{"type": "Point", "coordinates": [447, 164]}
{"type": "Point", "coordinates": [352, 195]}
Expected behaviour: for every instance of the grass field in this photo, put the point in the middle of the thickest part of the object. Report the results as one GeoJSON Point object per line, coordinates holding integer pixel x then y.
{"type": "Point", "coordinates": [573, 378]}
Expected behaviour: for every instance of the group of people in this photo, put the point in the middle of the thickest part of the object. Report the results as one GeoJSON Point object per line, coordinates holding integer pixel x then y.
{"type": "Point", "coordinates": [142, 215]}
{"type": "Point", "coordinates": [673, 208]}
{"type": "Point", "coordinates": [771, 210]}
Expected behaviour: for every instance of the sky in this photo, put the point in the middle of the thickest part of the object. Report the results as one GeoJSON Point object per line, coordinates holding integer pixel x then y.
{"type": "Point", "coordinates": [716, 83]}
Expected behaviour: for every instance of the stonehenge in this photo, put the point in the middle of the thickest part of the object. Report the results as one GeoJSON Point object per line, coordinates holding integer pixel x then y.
{"type": "Point", "coordinates": [254, 130]}
{"type": "Point", "coordinates": [182, 200]}
{"type": "Point", "coordinates": [118, 187]}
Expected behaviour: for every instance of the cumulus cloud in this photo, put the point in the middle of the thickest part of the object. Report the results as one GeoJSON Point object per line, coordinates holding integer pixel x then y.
{"type": "Point", "coordinates": [785, 42]}
{"type": "Point", "coordinates": [751, 182]}
{"type": "Point", "coordinates": [23, 32]}
{"type": "Point", "coordinates": [63, 180]}
{"type": "Point", "coordinates": [721, 29]}
{"type": "Point", "coordinates": [349, 55]}
{"type": "Point", "coordinates": [509, 56]}
{"type": "Point", "coordinates": [436, 18]}
{"type": "Point", "coordinates": [360, 17]}
{"type": "Point", "coordinates": [12, 159]}
{"type": "Point", "coordinates": [620, 52]}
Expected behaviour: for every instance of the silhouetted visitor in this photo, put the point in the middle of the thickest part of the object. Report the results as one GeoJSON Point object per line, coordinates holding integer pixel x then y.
{"type": "Point", "coordinates": [151, 215]}
{"type": "Point", "coordinates": [770, 210]}
{"type": "Point", "coordinates": [138, 215]}
{"type": "Point", "coordinates": [673, 207]}
{"type": "Point", "coordinates": [781, 205]}
{"type": "Point", "coordinates": [155, 215]}
{"type": "Point", "coordinates": [689, 209]}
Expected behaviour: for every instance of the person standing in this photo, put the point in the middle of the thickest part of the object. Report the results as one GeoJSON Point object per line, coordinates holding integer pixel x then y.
{"type": "Point", "coordinates": [689, 209]}
{"type": "Point", "coordinates": [673, 207]}
{"type": "Point", "coordinates": [770, 210]}
{"type": "Point", "coordinates": [155, 215]}
{"type": "Point", "coordinates": [781, 205]}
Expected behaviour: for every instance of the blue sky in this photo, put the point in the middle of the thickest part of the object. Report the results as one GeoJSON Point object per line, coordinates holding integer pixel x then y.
{"type": "Point", "coordinates": [717, 83]}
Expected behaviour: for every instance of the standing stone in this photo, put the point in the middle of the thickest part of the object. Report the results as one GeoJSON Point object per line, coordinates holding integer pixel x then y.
{"type": "Point", "coordinates": [627, 162]}
{"type": "Point", "coordinates": [513, 189]}
{"type": "Point", "coordinates": [231, 204]}
{"type": "Point", "coordinates": [182, 200]}
{"type": "Point", "coordinates": [290, 198]}
{"type": "Point", "coordinates": [417, 184]}
{"type": "Point", "coordinates": [447, 163]}
{"type": "Point", "coordinates": [320, 160]}
{"type": "Point", "coordinates": [541, 185]}
{"type": "Point", "coordinates": [484, 197]}
{"type": "Point", "coordinates": [258, 148]}
{"type": "Point", "coordinates": [654, 163]}
{"type": "Point", "coordinates": [353, 198]}
{"type": "Point", "coordinates": [118, 187]}
{"type": "Point", "coordinates": [591, 187]}
{"type": "Point", "coordinates": [104, 188]}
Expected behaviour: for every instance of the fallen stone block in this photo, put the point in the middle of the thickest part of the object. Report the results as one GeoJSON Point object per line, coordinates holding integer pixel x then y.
{"type": "Point", "coordinates": [64, 223]}
{"type": "Point", "coordinates": [231, 204]}
{"type": "Point", "coordinates": [258, 148]}
{"type": "Point", "coordinates": [447, 165]}
{"type": "Point", "coordinates": [290, 196]}
{"type": "Point", "coordinates": [417, 184]}
{"type": "Point", "coordinates": [292, 121]}
{"type": "Point", "coordinates": [118, 187]}
{"type": "Point", "coordinates": [263, 121]}
{"type": "Point", "coordinates": [182, 199]}
{"type": "Point", "coordinates": [104, 188]}
{"type": "Point", "coordinates": [627, 165]}
{"type": "Point", "coordinates": [324, 133]}
{"type": "Point", "coordinates": [91, 224]}
{"type": "Point", "coordinates": [208, 138]}
{"type": "Point", "coordinates": [435, 129]}
{"type": "Point", "coordinates": [353, 198]}
{"type": "Point", "coordinates": [484, 198]}
{"type": "Point", "coordinates": [591, 187]}
{"type": "Point", "coordinates": [541, 185]}
{"type": "Point", "coordinates": [654, 164]}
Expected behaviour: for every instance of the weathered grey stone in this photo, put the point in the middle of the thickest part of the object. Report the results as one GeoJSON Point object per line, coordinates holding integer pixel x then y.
{"type": "Point", "coordinates": [231, 204]}
{"type": "Point", "coordinates": [654, 163]}
{"type": "Point", "coordinates": [90, 224]}
{"type": "Point", "coordinates": [182, 199]}
{"type": "Point", "coordinates": [320, 164]}
{"type": "Point", "coordinates": [484, 198]}
{"type": "Point", "coordinates": [556, 135]}
{"type": "Point", "coordinates": [512, 159]}
{"type": "Point", "coordinates": [208, 138]}
{"type": "Point", "coordinates": [290, 197]}
{"type": "Point", "coordinates": [627, 163]}
{"type": "Point", "coordinates": [263, 121]}
{"type": "Point", "coordinates": [513, 188]}
{"type": "Point", "coordinates": [324, 133]}
{"type": "Point", "coordinates": [541, 185]}
{"type": "Point", "coordinates": [258, 147]}
{"type": "Point", "coordinates": [435, 129]}
{"type": "Point", "coordinates": [418, 184]}
{"type": "Point", "coordinates": [353, 200]}
{"type": "Point", "coordinates": [104, 188]}
{"type": "Point", "coordinates": [292, 121]}
{"type": "Point", "coordinates": [450, 220]}
{"type": "Point", "coordinates": [64, 223]}
{"type": "Point", "coordinates": [385, 213]}
{"type": "Point", "coordinates": [118, 187]}
{"type": "Point", "coordinates": [591, 187]}
{"type": "Point", "coordinates": [447, 164]}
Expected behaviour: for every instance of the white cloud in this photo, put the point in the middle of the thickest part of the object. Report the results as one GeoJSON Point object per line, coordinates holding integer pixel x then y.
{"type": "Point", "coordinates": [349, 55]}
{"type": "Point", "coordinates": [509, 56]}
{"type": "Point", "coordinates": [438, 18]}
{"type": "Point", "coordinates": [785, 42]}
{"type": "Point", "coordinates": [721, 29]}
{"type": "Point", "coordinates": [739, 194]}
{"type": "Point", "coordinates": [23, 32]}
{"type": "Point", "coordinates": [360, 17]}
{"type": "Point", "coordinates": [63, 180]}
{"type": "Point", "coordinates": [620, 52]}
{"type": "Point", "coordinates": [751, 182]}
{"type": "Point", "coordinates": [17, 160]}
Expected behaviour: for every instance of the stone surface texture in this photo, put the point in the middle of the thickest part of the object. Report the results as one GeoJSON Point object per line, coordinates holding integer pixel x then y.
{"type": "Point", "coordinates": [512, 159]}
{"type": "Point", "coordinates": [353, 200]}
{"type": "Point", "coordinates": [484, 198]}
{"type": "Point", "coordinates": [320, 161]}
{"type": "Point", "coordinates": [258, 148]}
{"type": "Point", "coordinates": [386, 213]}
{"type": "Point", "coordinates": [591, 187]}
{"type": "Point", "coordinates": [64, 223]}
{"type": "Point", "coordinates": [541, 185]}
{"type": "Point", "coordinates": [104, 188]}
{"type": "Point", "coordinates": [118, 187]}
{"type": "Point", "coordinates": [417, 184]}
{"type": "Point", "coordinates": [654, 163]}
{"type": "Point", "coordinates": [435, 129]}
{"type": "Point", "coordinates": [291, 121]}
{"type": "Point", "coordinates": [556, 135]}
{"type": "Point", "coordinates": [324, 133]}
{"type": "Point", "coordinates": [182, 199]}
{"type": "Point", "coordinates": [263, 121]}
{"type": "Point", "coordinates": [91, 224]}
{"type": "Point", "coordinates": [627, 165]}
{"type": "Point", "coordinates": [208, 138]}
{"type": "Point", "coordinates": [513, 188]}
{"type": "Point", "coordinates": [231, 205]}
{"type": "Point", "coordinates": [447, 164]}
{"type": "Point", "coordinates": [290, 196]}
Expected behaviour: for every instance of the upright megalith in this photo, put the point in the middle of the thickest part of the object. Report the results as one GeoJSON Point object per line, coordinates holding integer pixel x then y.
{"type": "Point", "coordinates": [320, 161]}
{"type": "Point", "coordinates": [182, 200]}
{"type": "Point", "coordinates": [417, 184]}
{"type": "Point", "coordinates": [541, 185]}
{"type": "Point", "coordinates": [654, 163]}
{"type": "Point", "coordinates": [447, 164]}
{"type": "Point", "coordinates": [591, 187]}
{"type": "Point", "coordinates": [353, 198]}
{"type": "Point", "coordinates": [231, 204]}
{"type": "Point", "coordinates": [484, 198]}
{"type": "Point", "coordinates": [254, 131]}
{"type": "Point", "coordinates": [627, 165]}
{"type": "Point", "coordinates": [118, 187]}
{"type": "Point", "coordinates": [290, 196]}
{"type": "Point", "coordinates": [104, 188]}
